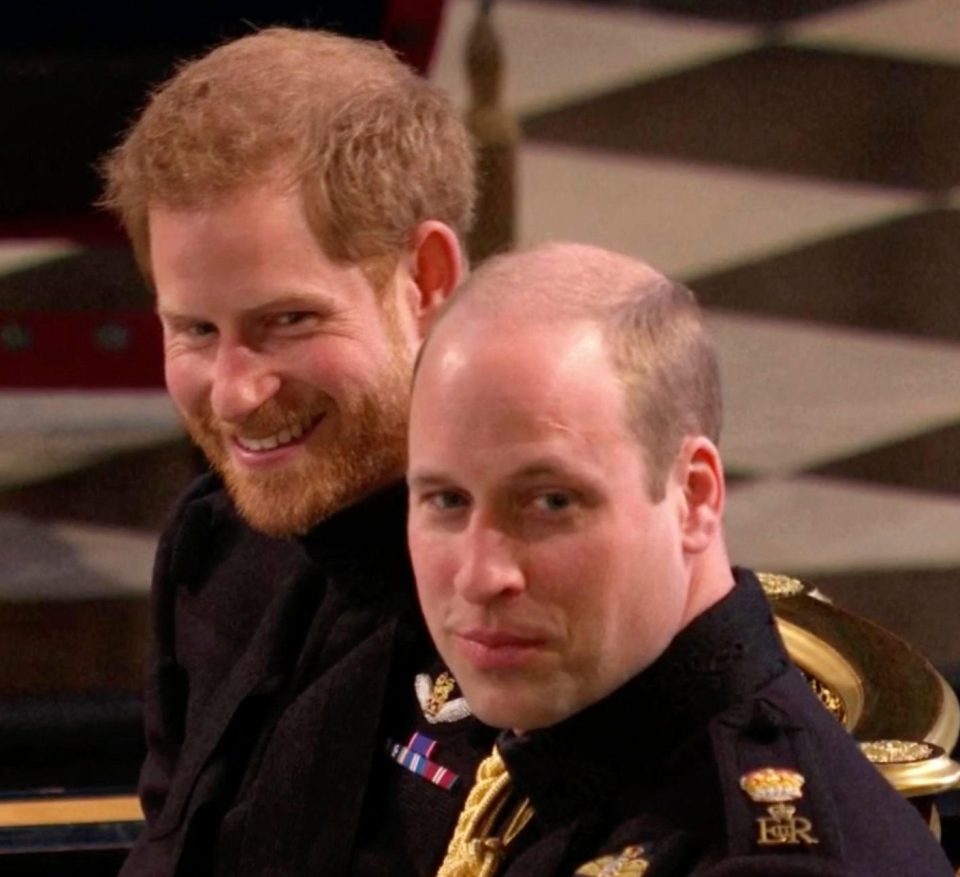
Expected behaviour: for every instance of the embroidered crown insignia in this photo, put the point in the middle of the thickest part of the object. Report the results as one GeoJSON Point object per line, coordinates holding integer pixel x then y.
{"type": "Point", "coordinates": [772, 784]}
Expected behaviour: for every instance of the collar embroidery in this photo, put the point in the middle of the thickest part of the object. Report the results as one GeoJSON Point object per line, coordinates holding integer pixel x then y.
{"type": "Point", "coordinates": [434, 699]}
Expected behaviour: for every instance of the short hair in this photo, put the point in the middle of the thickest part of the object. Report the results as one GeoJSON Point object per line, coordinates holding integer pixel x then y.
{"type": "Point", "coordinates": [668, 366]}
{"type": "Point", "coordinates": [653, 327]}
{"type": "Point", "coordinates": [373, 148]}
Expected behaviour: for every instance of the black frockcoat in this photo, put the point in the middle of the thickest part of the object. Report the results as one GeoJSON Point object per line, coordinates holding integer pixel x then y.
{"type": "Point", "coordinates": [282, 670]}
{"type": "Point", "coordinates": [657, 765]}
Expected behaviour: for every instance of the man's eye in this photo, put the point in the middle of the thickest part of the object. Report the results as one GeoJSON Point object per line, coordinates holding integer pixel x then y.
{"type": "Point", "coordinates": [289, 319]}
{"type": "Point", "coordinates": [201, 330]}
{"type": "Point", "coordinates": [190, 331]}
{"type": "Point", "coordinates": [447, 500]}
{"type": "Point", "coordinates": [554, 501]}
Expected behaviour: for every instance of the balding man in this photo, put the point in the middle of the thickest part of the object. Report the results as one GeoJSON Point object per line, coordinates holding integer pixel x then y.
{"type": "Point", "coordinates": [566, 500]}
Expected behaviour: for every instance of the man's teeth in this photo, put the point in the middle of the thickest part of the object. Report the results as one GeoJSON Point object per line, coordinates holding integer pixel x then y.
{"type": "Point", "coordinates": [284, 437]}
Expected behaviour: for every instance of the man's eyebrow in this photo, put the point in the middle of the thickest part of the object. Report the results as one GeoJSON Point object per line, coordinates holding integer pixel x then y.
{"type": "Point", "coordinates": [177, 318]}
{"type": "Point", "coordinates": [296, 301]}
{"type": "Point", "coordinates": [293, 301]}
{"type": "Point", "coordinates": [544, 467]}
{"type": "Point", "coordinates": [426, 479]}
{"type": "Point", "coordinates": [539, 468]}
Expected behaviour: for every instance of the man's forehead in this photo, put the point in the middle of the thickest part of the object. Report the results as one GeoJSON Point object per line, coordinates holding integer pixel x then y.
{"type": "Point", "coordinates": [475, 342]}
{"type": "Point", "coordinates": [507, 467]}
{"type": "Point", "coordinates": [535, 382]}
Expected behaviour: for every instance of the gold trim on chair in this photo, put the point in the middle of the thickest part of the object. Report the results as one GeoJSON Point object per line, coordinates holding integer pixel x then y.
{"type": "Point", "coordinates": [917, 768]}
{"type": "Point", "coordinates": [827, 666]}
{"type": "Point", "coordinates": [892, 700]}
{"type": "Point", "coordinates": [67, 810]}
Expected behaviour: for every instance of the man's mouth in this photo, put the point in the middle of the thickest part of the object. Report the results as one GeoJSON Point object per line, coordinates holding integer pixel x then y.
{"type": "Point", "coordinates": [286, 436]}
{"type": "Point", "coordinates": [496, 639]}
{"type": "Point", "coordinates": [499, 649]}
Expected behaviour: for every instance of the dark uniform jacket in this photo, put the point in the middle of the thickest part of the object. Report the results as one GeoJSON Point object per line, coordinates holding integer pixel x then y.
{"type": "Point", "coordinates": [281, 682]}
{"type": "Point", "coordinates": [648, 781]}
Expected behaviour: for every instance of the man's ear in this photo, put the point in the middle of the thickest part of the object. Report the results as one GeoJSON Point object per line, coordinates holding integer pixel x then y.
{"type": "Point", "coordinates": [700, 471]}
{"type": "Point", "coordinates": [436, 268]}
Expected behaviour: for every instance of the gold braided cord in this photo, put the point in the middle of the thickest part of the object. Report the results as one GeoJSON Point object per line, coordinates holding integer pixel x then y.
{"type": "Point", "coordinates": [474, 850]}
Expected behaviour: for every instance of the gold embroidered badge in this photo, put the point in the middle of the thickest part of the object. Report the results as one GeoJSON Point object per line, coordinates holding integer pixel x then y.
{"type": "Point", "coordinates": [433, 696]}
{"type": "Point", "coordinates": [628, 863]}
{"type": "Point", "coordinates": [781, 826]}
{"type": "Point", "coordinates": [773, 784]}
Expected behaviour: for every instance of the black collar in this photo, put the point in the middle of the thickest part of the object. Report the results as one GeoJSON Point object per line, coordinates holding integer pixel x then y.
{"type": "Point", "coordinates": [363, 547]}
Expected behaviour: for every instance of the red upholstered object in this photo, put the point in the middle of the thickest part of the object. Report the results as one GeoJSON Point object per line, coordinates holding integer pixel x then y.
{"type": "Point", "coordinates": [92, 228]}
{"type": "Point", "coordinates": [80, 349]}
{"type": "Point", "coordinates": [410, 28]}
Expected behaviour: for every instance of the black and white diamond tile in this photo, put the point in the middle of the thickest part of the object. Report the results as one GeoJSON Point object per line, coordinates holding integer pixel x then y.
{"type": "Point", "coordinates": [924, 30]}
{"type": "Point", "coordinates": [559, 52]}
{"type": "Point", "coordinates": [896, 275]}
{"type": "Point", "coordinates": [783, 108]}
{"type": "Point", "coordinates": [927, 461]}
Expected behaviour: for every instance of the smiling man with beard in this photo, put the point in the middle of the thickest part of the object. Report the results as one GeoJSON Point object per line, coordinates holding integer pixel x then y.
{"type": "Point", "coordinates": [296, 199]}
{"type": "Point", "coordinates": [290, 370]}
{"type": "Point", "coordinates": [566, 502]}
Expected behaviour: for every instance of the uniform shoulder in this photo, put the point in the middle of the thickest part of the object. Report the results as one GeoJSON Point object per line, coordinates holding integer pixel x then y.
{"type": "Point", "coordinates": [796, 788]}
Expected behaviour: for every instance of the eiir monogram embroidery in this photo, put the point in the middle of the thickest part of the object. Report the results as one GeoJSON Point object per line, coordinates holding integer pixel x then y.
{"type": "Point", "coordinates": [783, 828]}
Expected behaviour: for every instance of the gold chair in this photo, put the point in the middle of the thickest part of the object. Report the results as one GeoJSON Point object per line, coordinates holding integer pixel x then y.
{"type": "Point", "coordinates": [900, 710]}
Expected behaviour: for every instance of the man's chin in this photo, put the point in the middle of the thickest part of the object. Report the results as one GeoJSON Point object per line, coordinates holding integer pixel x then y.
{"type": "Point", "coordinates": [287, 501]}
{"type": "Point", "coordinates": [291, 502]}
{"type": "Point", "coordinates": [338, 468]}
{"type": "Point", "coordinates": [265, 516]}
{"type": "Point", "coordinates": [281, 506]}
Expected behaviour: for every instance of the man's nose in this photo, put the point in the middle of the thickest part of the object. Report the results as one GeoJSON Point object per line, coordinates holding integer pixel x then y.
{"type": "Point", "coordinates": [489, 565]}
{"type": "Point", "coordinates": [243, 380]}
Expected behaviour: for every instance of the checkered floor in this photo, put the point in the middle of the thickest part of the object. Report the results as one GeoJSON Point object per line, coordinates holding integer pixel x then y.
{"type": "Point", "coordinates": [799, 168]}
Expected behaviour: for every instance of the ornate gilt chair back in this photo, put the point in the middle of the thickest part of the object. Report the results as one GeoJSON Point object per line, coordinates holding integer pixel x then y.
{"type": "Point", "coordinates": [886, 694]}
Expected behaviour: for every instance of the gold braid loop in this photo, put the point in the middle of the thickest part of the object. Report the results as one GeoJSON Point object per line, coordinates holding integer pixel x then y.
{"type": "Point", "coordinates": [474, 851]}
